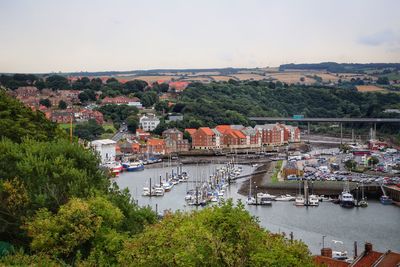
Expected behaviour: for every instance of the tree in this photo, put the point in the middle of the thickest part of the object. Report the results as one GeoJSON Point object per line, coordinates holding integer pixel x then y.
{"type": "Point", "coordinates": [373, 161]}
{"type": "Point", "coordinates": [62, 104]}
{"type": "Point", "coordinates": [18, 122]}
{"type": "Point", "coordinates": [132, 123]}
{"type": "Point", "coordinates": [383, 80]}
{"type": "Point", "coordinates": [83, 97]}
{"type": "Point", "coordinates": [149, 98]}
{"type": "Point", "coordinates": [350, 164]}
{"type": "Point", "coordinates": [134, 86]}
{"type": "Point", "coordinates": [225, 235]}
{"type": "Point", "coordinates": [45, 102]}
{"type": "Point", "coordinates": [89, 130]}
{"type": "Point", "coordinates": [57, 82]}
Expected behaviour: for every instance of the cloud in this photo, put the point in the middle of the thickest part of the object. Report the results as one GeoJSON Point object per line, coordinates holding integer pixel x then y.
{"type": "Point", "coordinates": [386, 37]}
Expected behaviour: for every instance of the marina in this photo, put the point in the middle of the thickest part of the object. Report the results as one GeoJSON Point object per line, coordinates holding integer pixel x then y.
{"type": "Point", "coordinates": [377, 223]}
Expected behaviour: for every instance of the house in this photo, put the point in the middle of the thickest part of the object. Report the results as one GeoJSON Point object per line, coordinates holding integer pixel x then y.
{"type": "Point", "coordinates": [368, 258]}
{"type": "Point", "coordinates": [178, 86]}
{"type": "Point", "coordinates": [291, 134]}
{"type": "Point", "coordinates": [26, 91]}
{"type": "Point", "coordinates": [253, 137]}
{"type": "Point", "coordinates": [87, 114]}
{"type": "Point", "coordinates": [62, 116]}
{"type": "Point", "coordinates": [122, 100]}
{"type": "Point", "coordinates": [203, 138]}
{"type": "Point", "coordinates": [174, 141]}
{"type": "Point", "coordinates": [175, 117]}
{"type": "Point", "coordinates": [149, 122]}
{"type": "Point", "coordinates": [218, 137]}
{"type": "Point", "coordinates": [106, 149]}
{"type": "Point", "coordinates": [156, 146]}
{"type": "Point", "coordinates": [234, 139]}
{"type": "Point", "coordinates": [142, 135]}
{"type": "Point", "coordinates": [271, 134]}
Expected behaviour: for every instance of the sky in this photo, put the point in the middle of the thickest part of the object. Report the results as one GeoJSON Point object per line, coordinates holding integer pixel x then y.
{"type": "Point", "coordinates": [39, 36]}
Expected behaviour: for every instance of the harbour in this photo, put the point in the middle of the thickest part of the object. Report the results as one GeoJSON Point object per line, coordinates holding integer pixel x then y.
{"type": "Point", "coordinates": [377, 223]}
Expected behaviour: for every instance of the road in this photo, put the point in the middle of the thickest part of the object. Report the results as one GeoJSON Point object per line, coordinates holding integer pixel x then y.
{"type": "Point", "coordinates": [120, 133]}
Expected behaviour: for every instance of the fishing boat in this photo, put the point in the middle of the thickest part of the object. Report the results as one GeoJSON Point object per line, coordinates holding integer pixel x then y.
{"type": "Point", "coordinates": [133, 166]}
{"type": "Point", "coordinates": [346, 199]}
{"type": "Point", "coordinates": [385, 200]}
{"type": "Point", "coordinates": [264, 201]}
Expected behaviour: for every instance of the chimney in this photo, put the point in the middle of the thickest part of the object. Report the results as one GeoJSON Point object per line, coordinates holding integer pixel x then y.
{"type": "Point", "coordinates": [326, 252]}
{"type": "Point", "coordinates": [368, 247]}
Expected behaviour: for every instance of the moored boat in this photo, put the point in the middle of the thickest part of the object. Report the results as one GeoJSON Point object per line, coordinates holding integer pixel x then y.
{"type": "Point", "coordinates": [385, 200]}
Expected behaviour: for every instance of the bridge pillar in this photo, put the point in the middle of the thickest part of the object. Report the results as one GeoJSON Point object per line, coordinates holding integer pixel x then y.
{"type": "Point", "coordinates": [308, 131]}
{"type": "Point", "coordinates": [374, 131]}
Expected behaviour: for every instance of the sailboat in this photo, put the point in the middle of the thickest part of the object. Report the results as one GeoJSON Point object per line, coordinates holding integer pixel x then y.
{"type": "Point", "coordinates": [363, 202]}
{"type": "Point", "coordinates": [299, 201]}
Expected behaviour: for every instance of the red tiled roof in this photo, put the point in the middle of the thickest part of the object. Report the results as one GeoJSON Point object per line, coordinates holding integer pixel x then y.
{"type": "Point", "coordinates": [239, 134]}
{"type": "Point", "coordinates": [180, 86]}
{"type": "Point", "coordinates": [155, 142]}
{"type": "Point", "coordinates": [190, 130]}
{"type": "Point", "coordinates": [223, 128]}
{"type": "Point", "coordinates": [206, 130]}
{"type": "Point", "coordinates": [389, 259]}
{"type": "Point", "coordinates": [366, 260]}
{"type": "Point", "coordinates": [329, 262]}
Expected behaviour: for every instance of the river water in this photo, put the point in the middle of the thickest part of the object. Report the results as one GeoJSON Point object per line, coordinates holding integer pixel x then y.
{"type": "Point", "coordinates": [377, 223]}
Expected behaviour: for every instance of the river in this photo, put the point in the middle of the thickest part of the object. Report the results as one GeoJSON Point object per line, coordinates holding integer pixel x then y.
{"type": "Point", "coordinates": [377, 223]}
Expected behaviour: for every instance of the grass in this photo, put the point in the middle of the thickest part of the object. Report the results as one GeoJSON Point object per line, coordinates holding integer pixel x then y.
{"type": "Point", "coordinates": [109, 127]}
{"type": "Point", "coordinates": [278, 166]}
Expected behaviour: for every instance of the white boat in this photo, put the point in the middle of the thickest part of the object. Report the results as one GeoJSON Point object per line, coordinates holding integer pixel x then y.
{"type": "Point", "coordinates": [158, 191]}
{"type": "Point", "coordinates": [323, 198]}
{"type": "Point", "coordinates": [266, 195]}
{"type": "Point", "coordinates": [265, 201]}
{"type": "Point", "coordinates": [285, 198]}
{"type": "Point", "coordinates": [146, 191]}
{"type": "Point", "coordinates": [251, 201]}
{"type": "Point", "coordinates": [167, 186]}
{"type": "Point", "coordinates": [313, 200]}
{"type": "Point", "coordinates": [299, 201]}
{"type": "Point", "coordinates": [346, 200]}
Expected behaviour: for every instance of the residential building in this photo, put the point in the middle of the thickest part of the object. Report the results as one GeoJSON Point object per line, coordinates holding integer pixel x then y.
{"type": "Point", "coordinates": [106, 149]}
{"type": "Point", "coordinates": [156, 146]}
{"type": "Point", "coordinates": [203, 138]}
{"type": "Point", "coordinates": [122, 100]}
{"type": "Point", "coordinates": [175, 117]}
{"type": "Point", "coordinates": [368, 258]}
{"type": "Point", "coordinates": [174, 141]}
{"type": "Point", "coordinates": [27, 91]}
{"type": "Point", "coordinates": [87, 114]}
{"type": "Point", "coordinates": [149, 122]}
{"type": "Point", "coordinates": [178, 86]}
{"type": "Point", "coordinates": [142, 135]}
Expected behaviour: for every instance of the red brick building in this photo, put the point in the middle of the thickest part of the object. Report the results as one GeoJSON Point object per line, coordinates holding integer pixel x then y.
{"type": "Point", "coordinates": [156, 146]}
{"type": "Point", "coordinates": [203, 138]}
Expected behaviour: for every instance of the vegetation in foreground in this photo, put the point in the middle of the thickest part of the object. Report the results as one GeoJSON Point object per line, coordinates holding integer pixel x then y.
{"type": "Point", "coordinates": [57, 208]}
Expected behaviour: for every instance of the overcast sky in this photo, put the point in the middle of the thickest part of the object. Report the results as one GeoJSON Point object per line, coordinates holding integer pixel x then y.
{"type": "Point", "coordinates": [95, 35]}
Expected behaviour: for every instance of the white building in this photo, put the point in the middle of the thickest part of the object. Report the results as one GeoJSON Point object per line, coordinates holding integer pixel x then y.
{"type": "Point", "coordinates": [149, 122]}
{"type": "Point", "coordinates": [105, 148]}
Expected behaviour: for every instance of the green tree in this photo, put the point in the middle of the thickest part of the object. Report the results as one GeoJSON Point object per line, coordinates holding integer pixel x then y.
{"type": "Point", "coordinates": [89, 130]}
{"type": "Point", "coordinates": [224, 235]}
{"type": "Point", "coordinates": [132, 123]}
{"type": "Point", "coordinates": [350, 164]}
{"type": "Point", "coordinates": [373, 161]}
{"type": "Point", "coordinates": [18, 122]}
{"type": "Point", "coordinates": [383, 80]}
{"type": "Point", "coordinates": [45, 102]}
{"type": "Point", "coordinates": [57, 82]}
{"type": "Point", "coordinates": [62, 104]}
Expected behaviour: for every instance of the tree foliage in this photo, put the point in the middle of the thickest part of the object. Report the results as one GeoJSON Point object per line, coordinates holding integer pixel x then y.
{"type": "Point", "coordinates": [224, 235]}
{"type": "Point", "coordinates": [18, 122]}
{"type": "Point", "coordinates": [89, 130]}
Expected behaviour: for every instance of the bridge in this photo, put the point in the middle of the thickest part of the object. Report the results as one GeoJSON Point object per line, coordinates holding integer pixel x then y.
{"type": "Point", "coordinates": [341, 120]}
